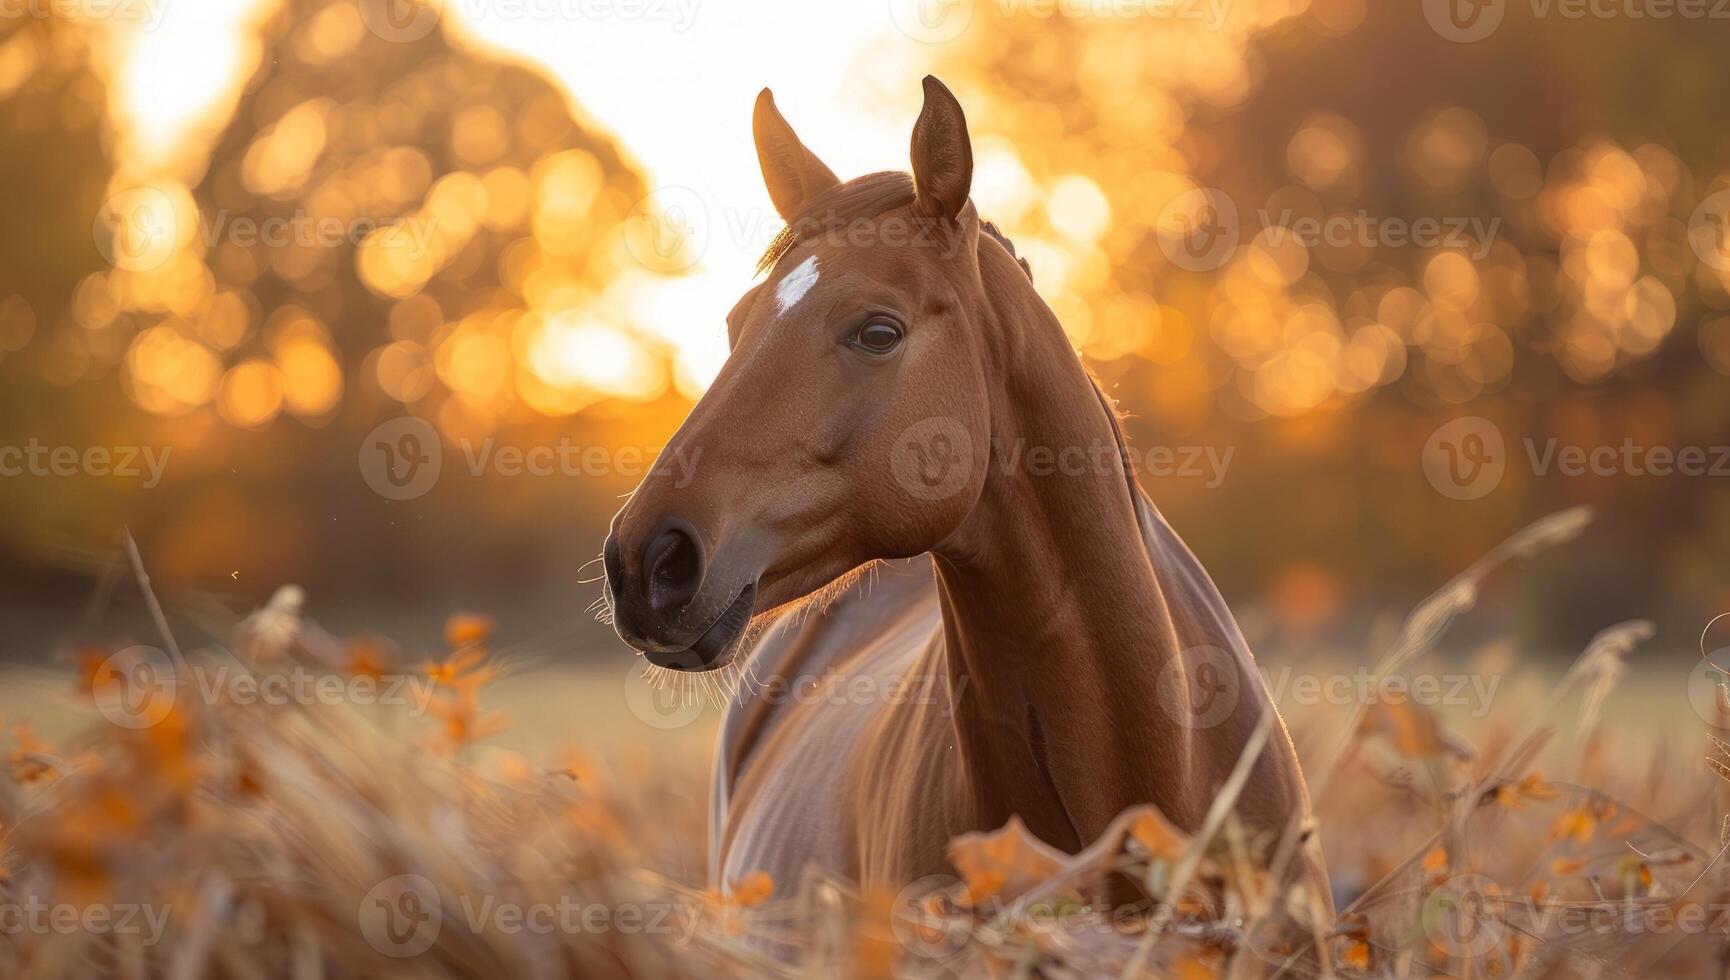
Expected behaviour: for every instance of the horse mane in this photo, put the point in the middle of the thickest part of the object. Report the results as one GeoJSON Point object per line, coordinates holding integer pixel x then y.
{"type": "Point", "coordinates": [1115, 415]}
{"type": "Point", "coordinates": [858, 200]}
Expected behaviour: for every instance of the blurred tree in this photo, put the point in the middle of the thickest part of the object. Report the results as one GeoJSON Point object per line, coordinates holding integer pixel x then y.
{"type": "Point", "coordinates": [390, 223]}
{"type": "Point", "coordinates": [53, 167]}
{"type": "Point", "coordinates": [1223, 205]}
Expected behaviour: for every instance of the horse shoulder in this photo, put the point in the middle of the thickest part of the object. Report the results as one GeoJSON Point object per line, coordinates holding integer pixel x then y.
{"type": "Point", "coordinates": [791, 736]}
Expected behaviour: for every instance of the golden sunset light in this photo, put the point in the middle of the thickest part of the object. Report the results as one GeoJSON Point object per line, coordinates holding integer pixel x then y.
{"type": "Point", "coordinates": [647, 489]}
{"type": "Point", "coordinates": [712, 202]}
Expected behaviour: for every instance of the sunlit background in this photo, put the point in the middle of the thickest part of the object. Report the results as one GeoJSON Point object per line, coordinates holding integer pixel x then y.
{"type": "Point", "coordinates": [524, 221]}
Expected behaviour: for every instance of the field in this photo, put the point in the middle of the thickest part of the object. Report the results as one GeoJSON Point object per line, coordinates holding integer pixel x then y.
{"type": "Point", "coordinates": [435, 819]}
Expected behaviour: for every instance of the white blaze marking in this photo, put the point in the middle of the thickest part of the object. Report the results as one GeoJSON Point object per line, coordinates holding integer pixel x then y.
{"type": "Point", "coordinates": [793, 287]}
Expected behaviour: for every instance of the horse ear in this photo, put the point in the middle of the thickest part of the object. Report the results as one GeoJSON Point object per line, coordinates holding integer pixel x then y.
{"type": "Point", "coordinates": [942, 154]}
{"type": "Point", "coordinates": [794, 174]}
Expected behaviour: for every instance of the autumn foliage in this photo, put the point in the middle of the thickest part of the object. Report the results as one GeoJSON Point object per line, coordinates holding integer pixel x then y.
{"type": "Point", "coordinates": [270, 836]}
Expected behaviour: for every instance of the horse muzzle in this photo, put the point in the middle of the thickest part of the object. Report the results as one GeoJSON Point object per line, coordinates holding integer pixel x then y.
{"type": "Point", "coordinates": [660, 604]}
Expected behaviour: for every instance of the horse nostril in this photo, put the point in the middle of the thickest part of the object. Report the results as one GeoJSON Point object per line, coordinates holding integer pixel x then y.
{"type": "Point", "coordinates": [672, 569]}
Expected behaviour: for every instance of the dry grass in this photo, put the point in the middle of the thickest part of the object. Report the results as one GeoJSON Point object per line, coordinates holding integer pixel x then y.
{"type": "Point", "coordinates": [212, 836]}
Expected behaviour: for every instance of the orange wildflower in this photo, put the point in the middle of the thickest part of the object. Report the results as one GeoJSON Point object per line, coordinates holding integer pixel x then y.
{"type": "Point", "coordinates": [167, 750]}
{"type": "Point", "coordinates": [752, 890]}
{"type": "Point", "coordinates": [1636, 873]}
{"type": "Point", "coordinates": [463, 722]}
{"type": "Point", "coordinates": [1008, 858]}
{"type": "Point", "coordinates": [1435, 864]}
{"type": "Point", "coordinates": [1356, 955]}
{"type": "Point", "coordinates": [1158, 835]}
{"type": "Point", "coordinates": [365, 659]}
{"type": "Point", "coordinates": [26, 768]}
{"type": "Point", "coordinates": [1411, 730]}
{"type": "Point", "coordinates": [1194, 968]}
{"type": "Point", "coordinates": [1576, 825]}
{"type": "Point", "coordinates": [1530, 789]}
{"type": "Point", "coordinates": [90, 834]}
{"type": "Point", "coordinates": [462, 670]}
{"type": "Point", "coordinates": [89, 662]}
{"type": "Point", "coordinates": [467, 629]}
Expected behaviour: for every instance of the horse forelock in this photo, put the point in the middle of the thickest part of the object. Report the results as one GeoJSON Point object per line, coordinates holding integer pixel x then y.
{"type": "Point", "coordinates": [860, 199]}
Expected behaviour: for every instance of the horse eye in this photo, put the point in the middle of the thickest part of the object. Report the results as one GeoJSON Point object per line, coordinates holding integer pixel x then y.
{"type": "Point", "coordinates": [878, 336]}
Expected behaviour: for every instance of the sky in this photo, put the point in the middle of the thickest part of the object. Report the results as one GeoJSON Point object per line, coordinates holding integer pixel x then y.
{"type": "Point", "coordinates": [685, 113]}
{"type": "Point", "coordinates": [672, 80]}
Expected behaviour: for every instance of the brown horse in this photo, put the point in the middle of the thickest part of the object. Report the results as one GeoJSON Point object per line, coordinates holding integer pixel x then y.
{"type": "Point", "coordinates": [897, 390]}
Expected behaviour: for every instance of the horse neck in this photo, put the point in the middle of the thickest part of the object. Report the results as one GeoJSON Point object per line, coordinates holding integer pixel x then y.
{"type": "Point", "coordinates": [1055, 624]}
